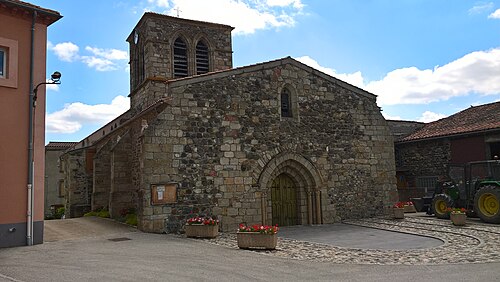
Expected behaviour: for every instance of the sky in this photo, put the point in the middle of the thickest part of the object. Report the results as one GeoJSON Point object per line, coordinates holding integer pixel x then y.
{"type": "Point", "coordinates": [424, 59]}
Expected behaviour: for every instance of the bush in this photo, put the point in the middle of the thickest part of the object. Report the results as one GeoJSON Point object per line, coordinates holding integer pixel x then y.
{"type": "Point", "coordinates": [100, 213]}
{"type": "Point", "coordinates": [59, 212]}
{"type": "Point", "coordinates": [131, 219]}
{"type": "Point", "coordinates": [103, 213]}
{"type": "Point", "coordinates": [92, 213]}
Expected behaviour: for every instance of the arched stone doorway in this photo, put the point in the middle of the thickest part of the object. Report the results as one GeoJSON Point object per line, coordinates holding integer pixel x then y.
{"type": "Point", "coordinates": [284, 201]}
{"type": "Point", "coordinates": [290, 191]}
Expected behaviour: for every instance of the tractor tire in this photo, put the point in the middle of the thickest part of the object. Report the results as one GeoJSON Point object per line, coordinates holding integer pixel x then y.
{"type": "Point", "coordinates": [439, 205]}
{"type": "Point", "coordinates": [487, 204]}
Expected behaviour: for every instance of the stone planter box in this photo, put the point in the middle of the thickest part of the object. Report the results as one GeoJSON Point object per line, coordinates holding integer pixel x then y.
{"type": "Point", "coordinates": [202, 231]}
{"type": "Point", "coordinates": [256, 240]}
{"type": "Point", "coordinates": [458, 219]}
{"type": "Point", "coordinates": [399, 213]}
{"type": "Point", "coordinates": [410, 209]}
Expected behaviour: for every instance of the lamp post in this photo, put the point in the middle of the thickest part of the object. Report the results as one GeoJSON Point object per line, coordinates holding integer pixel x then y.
{"type": "Point", "coordinates": [54, 79]}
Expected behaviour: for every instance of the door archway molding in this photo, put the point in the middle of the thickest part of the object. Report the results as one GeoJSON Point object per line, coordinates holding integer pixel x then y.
{"type": "Point", "coordinates": [306, 178]}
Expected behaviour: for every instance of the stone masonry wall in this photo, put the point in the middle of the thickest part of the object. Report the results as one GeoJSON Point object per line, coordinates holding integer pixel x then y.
{"type": "Point", "coordinates": [77, 181]}
{"type": "Point", "coordinates": [424, 158]}
{"type": "Point", "coordinates": [101, 177]}
{"type": "Point", "coordinates": [157, 35]}
{"type": "Point", "coordinates": [220, 133]}
{"type": "Point", "coordinates": [123, 195]}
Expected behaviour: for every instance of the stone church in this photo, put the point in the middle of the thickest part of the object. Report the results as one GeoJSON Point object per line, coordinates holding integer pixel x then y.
{"type": "Point", "coordinates": [274, 143]}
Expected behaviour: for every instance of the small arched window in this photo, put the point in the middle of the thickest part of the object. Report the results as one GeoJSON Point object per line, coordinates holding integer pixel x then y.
{"type": "Point", "coordinates": [180, 58]}
{"type": "Point", "coordinates": [202, 60]}
{"type": "Point", "coordinates": [286, 105]}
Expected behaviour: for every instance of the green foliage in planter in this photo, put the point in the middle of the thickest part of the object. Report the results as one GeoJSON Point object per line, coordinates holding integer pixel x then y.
{"type": "Point", "coordinates": [60, 212]}
{"type": "Point", "coordinates": [100, 213]}
{"type": "Point", "coordinates": [103, 213]}
{"type": "Point", "coordinates": [131, 219]}
{"type": "Point", "coordinates": [92, 213]}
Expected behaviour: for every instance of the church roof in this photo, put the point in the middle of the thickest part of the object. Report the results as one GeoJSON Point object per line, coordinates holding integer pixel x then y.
{"type": "Point", "coordinates": [476, 119]}
{"type": "Point", "coordinates": [117, 123]}
{"type": "Point", "coordinates": [179, 20]}
{"type": "Point", "coordinates": [267, 65]}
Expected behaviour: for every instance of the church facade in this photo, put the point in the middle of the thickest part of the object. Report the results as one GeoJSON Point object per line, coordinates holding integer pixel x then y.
{"type": "Point", "coordinates": [272, 143]}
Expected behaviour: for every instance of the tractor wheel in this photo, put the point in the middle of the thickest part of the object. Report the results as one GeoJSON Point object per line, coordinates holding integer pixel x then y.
{"type": "Point", "coordinates": [439, 205]}
{"type": "Point", "coordinates": [487, 204]}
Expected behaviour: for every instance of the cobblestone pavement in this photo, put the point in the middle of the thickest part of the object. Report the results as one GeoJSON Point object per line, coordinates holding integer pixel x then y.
{"type": "Point", "coordinates": [473, 243]}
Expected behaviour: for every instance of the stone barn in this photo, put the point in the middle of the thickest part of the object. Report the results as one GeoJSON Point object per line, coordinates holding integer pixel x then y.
{"type": "Point", "coordinates": [274, 143]}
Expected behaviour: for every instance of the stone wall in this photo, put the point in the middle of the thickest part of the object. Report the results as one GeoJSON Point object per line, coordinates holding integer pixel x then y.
{"type": "Point", "coordinates": [78, 183]}
{"type": "Point", "coordinates": [220, 133]}
{"type": "Point", "coordinates": [123, 195]}
{"type": "Point", "coordinates": [423, 158]}
{"type": "Point", "coordinates": [157, 34]}
{"type": "Point", "coordinates": [101, 176]}
{"type": "Point", "coordinates": [53, 178]}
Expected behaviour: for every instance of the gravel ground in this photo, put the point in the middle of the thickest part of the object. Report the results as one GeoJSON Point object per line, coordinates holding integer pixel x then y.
{"type": "Point", "coordinates": [473, 243]}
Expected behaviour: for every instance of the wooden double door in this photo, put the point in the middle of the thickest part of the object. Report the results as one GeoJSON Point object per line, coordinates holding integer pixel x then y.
{"type": "Point", "coordinates": [284, 201]}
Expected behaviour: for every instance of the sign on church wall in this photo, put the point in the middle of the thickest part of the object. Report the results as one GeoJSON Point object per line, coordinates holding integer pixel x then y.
{"type": "Point", "coordinates": [163, 193]}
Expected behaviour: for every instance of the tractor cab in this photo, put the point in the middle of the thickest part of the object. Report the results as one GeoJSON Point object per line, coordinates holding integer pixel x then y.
{"type": "Point", "coordinates": [474, 186]}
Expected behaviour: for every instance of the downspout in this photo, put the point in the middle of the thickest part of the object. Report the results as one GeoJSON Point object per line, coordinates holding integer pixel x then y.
{"type": "Point", "coordinates": [31, 162]}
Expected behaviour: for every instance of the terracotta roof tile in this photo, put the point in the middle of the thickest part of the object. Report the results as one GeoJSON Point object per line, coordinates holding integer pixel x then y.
{"type": "Point", "coordinates": [59, 145]}
{"type": "Point", "coordinates": [29, 5]}
{"type": "Point", "coordinates": [474, 119]}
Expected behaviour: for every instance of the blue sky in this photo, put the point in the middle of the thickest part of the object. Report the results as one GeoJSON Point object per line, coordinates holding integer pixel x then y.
{"type": "Point", "coordinates": [425, 59]}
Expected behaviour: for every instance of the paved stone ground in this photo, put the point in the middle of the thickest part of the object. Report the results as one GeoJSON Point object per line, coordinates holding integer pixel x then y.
{"type": "Point", "coordinates": [473, 243]}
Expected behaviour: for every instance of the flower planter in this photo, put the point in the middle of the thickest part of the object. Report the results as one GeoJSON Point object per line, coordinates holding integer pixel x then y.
{"type": "Point", "coordinates": [409, 209]}
{"type": "Point", "coordinates": [458, 219]}
{"type": "Point", "coordinates": [399, 213]}
{"type": "Point", "coordinates": [202, 231]}
{"type": "Point", "coordinates": [256, 240]}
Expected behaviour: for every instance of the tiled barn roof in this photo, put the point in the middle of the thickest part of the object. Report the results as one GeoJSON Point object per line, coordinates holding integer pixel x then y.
{"type": "Point", "coordinates": [59, 145]}
{"type": "Point", "coordinates": [474, 119]}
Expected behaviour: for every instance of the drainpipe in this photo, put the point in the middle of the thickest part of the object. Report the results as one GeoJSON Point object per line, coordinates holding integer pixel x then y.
{"type": "Point", "coordinates": [31, 162]}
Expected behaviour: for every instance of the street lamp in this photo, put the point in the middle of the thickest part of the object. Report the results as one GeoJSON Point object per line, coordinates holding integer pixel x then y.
{"type": "Point", "coordinates": [54, 79]}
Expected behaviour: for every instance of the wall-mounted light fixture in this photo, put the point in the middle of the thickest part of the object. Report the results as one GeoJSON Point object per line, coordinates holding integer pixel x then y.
{"type": "Point", "coordinates": [54, 79]}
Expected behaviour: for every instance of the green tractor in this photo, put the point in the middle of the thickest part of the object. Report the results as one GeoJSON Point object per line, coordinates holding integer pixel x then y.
{"type": "Point", "coordinates": [474, 186]}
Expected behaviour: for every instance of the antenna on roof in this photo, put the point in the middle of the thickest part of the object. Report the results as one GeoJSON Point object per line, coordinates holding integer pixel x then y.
{"type": "Point", "coordinates": [177, 10]}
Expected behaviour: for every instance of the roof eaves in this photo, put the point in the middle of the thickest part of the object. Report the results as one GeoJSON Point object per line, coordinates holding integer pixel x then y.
{"type": "Point", "coordinates": [435, 137]}
{"type": "Point", "coordinates": [28, 6]}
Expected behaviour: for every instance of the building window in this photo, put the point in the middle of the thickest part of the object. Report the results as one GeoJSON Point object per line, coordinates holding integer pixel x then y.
{"type": "Point", "coordinates": [61, 191]}
{"type": "Point", "coordinates": [3, 62]}
{"type": "Point", "coordinates": [180, 59]}
{"type": "Point", "coordinates": [286, 109]}
{"type": "Point", "coordinates": [8, 62]}
{"type": "Point", "coordinates": [202, 60]}
{"type": "Point", "coordinates": [139, 64]}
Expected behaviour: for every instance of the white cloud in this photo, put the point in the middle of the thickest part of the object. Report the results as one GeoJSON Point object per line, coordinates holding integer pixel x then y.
{"type": "Point", "coordinates": [110, 54]}
{"type": "Point", "coordinates": [246, 16]}
{"type": "Point", "coordinates": [73, 116]}
{"type": "Point", "coordinates": [355, 79]}
{"type": "Point", "coordinates": [52, 87]}
{"type": "Point", "coordinates": [477, 72]}
{"type": "Point", "coordinates": [429, 116]}
{"type": "Point", "coordinates": [495, 15]}
{"type": "Point", "coordinates": [389, 117]}
{"type": "Point", "coordinates": [481, 7]}
{"type": "Point", "coordinates": [99, 64]}
{"type": "Point", "coordinates": [160, 3]}
{"type": "Point", "coordinates": [66, 51]}
{"type": "Point", "coordinates": [100, 60]}
{"type": "Point", "coordinates": [283, 3]}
